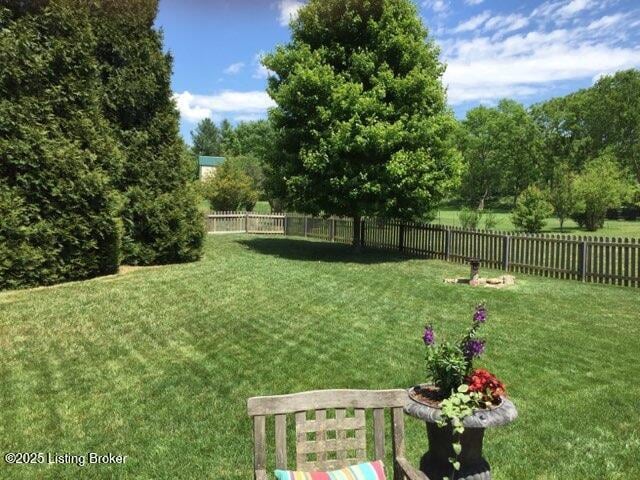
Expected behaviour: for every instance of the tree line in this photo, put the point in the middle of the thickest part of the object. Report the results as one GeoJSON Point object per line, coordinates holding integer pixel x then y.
{"type": "Point", "coordinates": [573, 157]}
{"type": "Point", "coordinates": [93, 170]}
{"type": "Point", "coordinates": [577, 156]}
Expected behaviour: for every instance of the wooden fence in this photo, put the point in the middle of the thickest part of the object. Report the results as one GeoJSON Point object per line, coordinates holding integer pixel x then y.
{"type": "Point", "coordinates": [585, 258]}
{"type": "Point", "coordinates": [244, 222]}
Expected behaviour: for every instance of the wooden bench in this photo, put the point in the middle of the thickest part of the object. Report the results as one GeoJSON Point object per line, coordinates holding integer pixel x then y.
{"type": "Point", "coordinates": [333, 446]}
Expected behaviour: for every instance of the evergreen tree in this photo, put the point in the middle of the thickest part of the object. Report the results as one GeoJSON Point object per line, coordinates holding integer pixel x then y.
{"type": "Point", "coordinates": [161, 219]}
{"type": "Point", "coordinates": [206, 138]}
{"type": "Point", "coordinates": [363, 126]}
{"type": "Point", "coordinates": [59, 212]}
{"type": "Point", "coordinates": [228, 139]}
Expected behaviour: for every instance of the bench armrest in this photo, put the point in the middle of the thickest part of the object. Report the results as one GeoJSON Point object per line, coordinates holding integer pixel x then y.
{"type": "Point", "coordinates": [409, 470]}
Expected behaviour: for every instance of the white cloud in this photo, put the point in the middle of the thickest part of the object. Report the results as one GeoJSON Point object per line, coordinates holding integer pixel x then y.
{"type": "Point", "coordinates": [521, 65]}
{"type": "Point", "coordinates": [606, 21]}
{"type": "Point", "coordinates": [232, 103]}
{"type": "Point", "coordinates": [438, 6]}
{"type": "Point", "coordinates": [559, 11]}
{"type": "Point", "coordinates": [562, 46]}
{"type": "Point", "coordinates": [473, 2]}
{"type": "Point", "coordinates": [188, 110]}
{"type": "Point", "coordinates": [288, 11]}
{"type": "Point", "coordinates": [261, 72]}
{"type": "Point", "coordinates": [234, 68]}
{"type": "Point", "coordinates": [503, 24]}
{"type": "Point", "coordinates": [473, 23]}
{"type": "Point", "coordinates": [573, 7]}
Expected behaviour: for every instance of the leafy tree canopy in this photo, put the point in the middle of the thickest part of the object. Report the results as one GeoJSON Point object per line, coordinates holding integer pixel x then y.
{"type": "Point", "coordinates": [206, 139]}
{"type": "Point", "coordinates": [362, 123]}
{"type": "Point", "coordinates": [502, 150]}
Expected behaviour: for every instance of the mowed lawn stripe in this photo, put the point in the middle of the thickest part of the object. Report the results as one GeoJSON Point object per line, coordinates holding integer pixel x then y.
{"type": "Point", "coordinates": [157, 363]}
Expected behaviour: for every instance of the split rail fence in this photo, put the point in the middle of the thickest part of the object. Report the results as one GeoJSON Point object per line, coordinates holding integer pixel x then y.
{"type": "Point", "coordinates": [585, 258]}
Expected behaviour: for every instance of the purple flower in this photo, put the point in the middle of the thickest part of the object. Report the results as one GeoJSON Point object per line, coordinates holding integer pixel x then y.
{"type": "Point", "coordinates": [480, 315]}
{"type": "Point", "coordinates": [429, 337]}
{"type": "Point", "coordinates": [473, 348]}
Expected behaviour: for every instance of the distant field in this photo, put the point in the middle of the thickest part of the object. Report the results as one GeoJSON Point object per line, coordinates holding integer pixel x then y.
{"type": "Point", "coordinates": [612, 228]}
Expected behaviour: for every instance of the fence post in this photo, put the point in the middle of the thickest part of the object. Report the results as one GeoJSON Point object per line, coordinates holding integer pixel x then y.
{"type": "Point", "coordinates": [332, 233]}
{"type": "Point", "coordinates": [246, 222]}
{"type": "Point", "coordinates": [362, 232]}
{"type": "Point", "coordinates": [285, 224]}
{"type": "Point", "coordinates": [506, 253]}
{"type": "Point", "coordinates": [582, 259]}
{"type": "Point", "coordinates": [401, 239]}
{"type": "Point", "coordinates": [447, 243]}
{"type": "Point", "coordinates": [305, 225]}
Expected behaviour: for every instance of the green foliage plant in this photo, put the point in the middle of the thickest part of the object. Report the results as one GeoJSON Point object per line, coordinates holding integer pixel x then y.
{"type": "Point", "coordinates": [531, 210]}
{"type": "Point", "coordinates": [460, 404]}
{"type": "Point", "coordinates": [59, 209]}
{"type": "Point", "coordinates": [562, 193]}
{"type": "Point", "coordinates": [469, 218]}
{"type": "Point", "coordinates": [363, 127]}
{"type": "Point", "coordinates": [490, 220]}
{"type": "Point", "coordinates": [138, 102]}
{"type": "Point", "coordinates": [602, 185]}
{"type": "Point", "coordinates": [450, 369]}
{"type": "Point", "coordinates": [230, 189]}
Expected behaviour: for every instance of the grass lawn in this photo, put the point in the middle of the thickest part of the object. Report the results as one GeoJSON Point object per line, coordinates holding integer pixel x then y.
{"type": "Point", "coordinates": [157, 363]}
{"type": "Point", "coordinates": [612, 228]}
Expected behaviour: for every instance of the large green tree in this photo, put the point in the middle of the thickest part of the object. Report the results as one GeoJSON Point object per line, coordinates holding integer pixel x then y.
{"type": "Point", "coordinates": [228, 139]}
{"type": "Point", "coordinates": [161, 219]}
{"type": "Point", "coordinates": [502, 150]}
{"type": "Point", "coordinates": [361, 119]}
{"type": "Point", "coordinates": [585, 124]}
{"type": "Point", "coordinates": [206, 138]}
{"type": "Point", "coordinates": [59, 211]}
{"type": "Point", "coordinates": [601, 185]}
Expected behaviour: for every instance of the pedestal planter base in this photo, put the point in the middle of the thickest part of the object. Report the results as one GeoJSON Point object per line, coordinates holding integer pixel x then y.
{"type": "Point", "coordinates": [473, 466]}
{"type": "Point", "coordinates": [435, 463]}
{"type": "Point", "coordinates": [436, 470]}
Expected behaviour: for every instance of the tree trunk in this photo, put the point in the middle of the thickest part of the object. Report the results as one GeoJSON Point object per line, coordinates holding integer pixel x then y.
{"type": "Point", "coordinates": [482, 200]}
{"type": "Point", "coordinates": [357, 233]}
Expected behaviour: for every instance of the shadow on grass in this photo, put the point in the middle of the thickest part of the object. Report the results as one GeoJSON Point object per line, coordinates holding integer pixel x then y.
{"type": "Point", "coordinates": [314, 251]}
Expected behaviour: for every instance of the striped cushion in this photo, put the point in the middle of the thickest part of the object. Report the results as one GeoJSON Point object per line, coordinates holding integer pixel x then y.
{"type": "Point", "coordinates": [364, 471]}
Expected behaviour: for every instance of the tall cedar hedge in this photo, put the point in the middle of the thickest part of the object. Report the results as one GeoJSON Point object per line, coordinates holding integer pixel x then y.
{"type": "Point", "coordinates": [161, 219]}
{"type": "Point", "coordinates": [59, 212]}
{"type": "Point", "coordinates": [92, 168]}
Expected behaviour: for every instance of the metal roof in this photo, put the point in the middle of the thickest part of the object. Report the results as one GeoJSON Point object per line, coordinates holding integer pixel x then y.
{"type": "Point", "coordinates": [205, 161]}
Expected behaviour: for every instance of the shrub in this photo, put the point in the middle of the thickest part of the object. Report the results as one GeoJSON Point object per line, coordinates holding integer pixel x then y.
{"type": "Point", "coordinates": [562, 193]}
{"type": "Point", "coordinates": [252, 167]}
{"type": "Point", "coordinates": [532, 208]}
{"type": "Point", "coordinates": [601, 186]}
{"type": "Point", "coordinates": [166, 228]}
{"type": "Point", "coordinates": [161, 225]}
{"type": "Point", "coordinates": [230, 189]}
{"type": "Point", "coordinates": [59, 210]}
{"type": "Point", "coordinates": [490, 221]}
{"type": "Point", "coordinates": [469, 219]}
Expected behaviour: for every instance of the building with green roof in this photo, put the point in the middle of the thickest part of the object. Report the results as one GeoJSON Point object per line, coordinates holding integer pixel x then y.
{"type": "Point", "coordinates": [208, 165]}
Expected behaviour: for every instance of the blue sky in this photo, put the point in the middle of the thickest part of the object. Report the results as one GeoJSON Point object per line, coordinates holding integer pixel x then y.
{"type": "Point", "coordinates": [527, 50]}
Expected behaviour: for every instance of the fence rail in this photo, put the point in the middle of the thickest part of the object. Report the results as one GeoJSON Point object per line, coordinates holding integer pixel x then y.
{"type": "Point", "coordinates": [585, 258]}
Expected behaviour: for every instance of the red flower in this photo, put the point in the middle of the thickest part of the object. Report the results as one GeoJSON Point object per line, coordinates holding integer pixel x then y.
{"type": "Point", "coordinates": [486, 383]}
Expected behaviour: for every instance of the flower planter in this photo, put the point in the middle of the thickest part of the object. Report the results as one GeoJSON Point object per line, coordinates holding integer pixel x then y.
{"type": "Point", "coordinates": [473, 466]}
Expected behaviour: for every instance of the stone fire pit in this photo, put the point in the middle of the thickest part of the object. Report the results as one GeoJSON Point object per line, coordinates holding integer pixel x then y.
{"type": "Point", "coordinates": [475, 280]}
